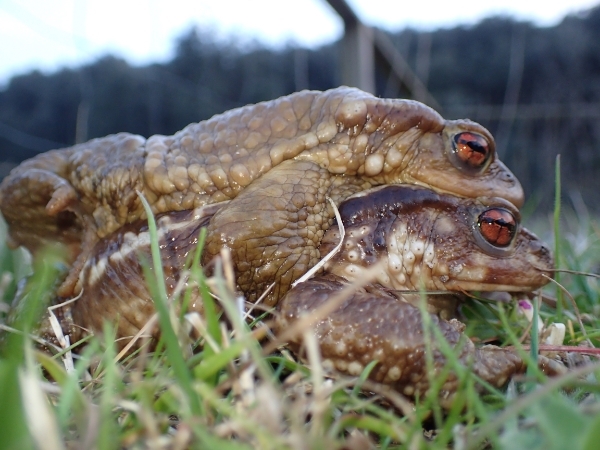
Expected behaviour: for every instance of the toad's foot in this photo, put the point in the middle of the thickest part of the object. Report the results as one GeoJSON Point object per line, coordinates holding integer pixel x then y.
{"type": "Point", "coordinates": [372, 325]}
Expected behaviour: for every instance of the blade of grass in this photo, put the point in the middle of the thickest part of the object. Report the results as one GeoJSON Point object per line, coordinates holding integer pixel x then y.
{"type": "Point", "coordinates": [49, 269]}
{"type": "Point", "coordinates": [534, 349]}
{"type": "Point", "coordinates": [428, 331]}
{"type": "Point", "coordinates": [492, 427]}
{"type": "Point", "coordinates": [374, 425]}
{"type": "Point", "coordinates": [168, 336]}
{"type": "Point", "coordinates": [173, 352]}
{"type": "Point", "coordinates": [108, 433]}
{"type": "Point", "coordinates": [210, 365]}
{"type": "Point", "coordinates": [557, 240]}
{"type": "Point", "coordinates": [72, 397]}
{"type": "Point", "coordinates": [13, 426]}
{"type": "Point", "coordinates": [242, 331]}
{"type": "Point", "coordinates": [210, 310]}
{"type": "Point", "coordinates": [41, 419]}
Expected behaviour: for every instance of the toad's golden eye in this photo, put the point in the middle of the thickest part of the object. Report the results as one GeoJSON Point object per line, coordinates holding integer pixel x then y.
{"type": "Point", "coordinates": [497, 226]}
{"type": "Point", "coordinates": [472, 149]}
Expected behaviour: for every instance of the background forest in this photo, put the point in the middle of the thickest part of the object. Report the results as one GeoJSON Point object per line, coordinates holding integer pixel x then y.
{"type": "Point", "coordinates": [537, 89]}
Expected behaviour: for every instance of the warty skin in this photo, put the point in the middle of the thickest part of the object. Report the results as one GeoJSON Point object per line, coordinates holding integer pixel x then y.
{"type": "Point", "coordinates": [276, 161]}
{"type": "Point", "coordinates": [435, 231]}
{"type": "Point", "coordinates": [415, 239]}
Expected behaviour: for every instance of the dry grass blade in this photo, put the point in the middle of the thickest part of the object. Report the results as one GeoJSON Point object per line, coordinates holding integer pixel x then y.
{"type": "Point", "coordinates": [40, 418]}
{"type": "Point", "coordinates": [309, 320]}
{"type": "Point", "coordinates": [259, 301]}
{"type": "Point", "coordinates": [64, 341]}
{"type": "Point", "coordinates": [319, 404]}
{"type": "Point", "coordinates": [151, 323]}
{"type": "Point", "coordinates": [251, 400]}
{"type": "Point", "coordinates": [197, 322]}
{"type": "Point", "coordinates": [331, 254]}
{"type": "Point", "coordinates": [37, 339]}
{"type": "Point", "coordinates": [400, 402]}
{"type": "Point", "coordinates": [564, 348]}
{"type": "Point", "coordinates": [574, 272]}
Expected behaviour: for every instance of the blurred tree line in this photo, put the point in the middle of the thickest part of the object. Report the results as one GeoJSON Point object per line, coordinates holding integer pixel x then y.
{"type": "Point", "coordinates": [537, 89]}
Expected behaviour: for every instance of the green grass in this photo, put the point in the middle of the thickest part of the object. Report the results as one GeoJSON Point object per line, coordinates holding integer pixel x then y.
{"type": "Point", "coordinates": [230, 390]}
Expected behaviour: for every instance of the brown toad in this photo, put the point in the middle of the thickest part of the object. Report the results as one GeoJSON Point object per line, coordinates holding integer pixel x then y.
{"type": "Point", "coordinates": [276, 161]}
{"type": "Point", "coordinates": [411, 238]}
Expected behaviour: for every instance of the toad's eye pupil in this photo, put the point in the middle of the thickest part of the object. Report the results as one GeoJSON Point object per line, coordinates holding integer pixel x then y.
{"type": "Point", "coordinates": [498, 226]}
{"type": "Point", "coordinates": [471, 148]}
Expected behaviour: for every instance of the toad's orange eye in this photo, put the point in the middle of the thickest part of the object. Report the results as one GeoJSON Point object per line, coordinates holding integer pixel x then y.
{"type": "Point", "coordinates": [497, 226]}
{"type": "Point", "coordinates": [472, 149]}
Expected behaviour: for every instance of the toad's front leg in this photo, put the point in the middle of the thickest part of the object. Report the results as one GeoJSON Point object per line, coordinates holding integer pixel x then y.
{"type": "Point", "coordinates": [274, 227]}
{"type": "Point", "coordinates": [373, 325]}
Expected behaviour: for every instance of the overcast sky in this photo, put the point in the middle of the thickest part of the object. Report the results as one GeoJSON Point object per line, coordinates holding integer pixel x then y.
{"type": "Point", "coordinates": [49, 34]}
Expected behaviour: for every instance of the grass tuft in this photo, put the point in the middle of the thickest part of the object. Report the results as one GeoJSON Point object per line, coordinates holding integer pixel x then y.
{"type": "Point", "coordinates": [234, 386]}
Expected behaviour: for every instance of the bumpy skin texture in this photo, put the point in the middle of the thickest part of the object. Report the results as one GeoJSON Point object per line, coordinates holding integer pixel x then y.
{"type": "Point", "coordinates": [113, 286]}
{"type": "Point", "coordinates": [374, 325]}
{"type": "Point", "coordinates": [277, 162]}
{"type": "Point", "coordinates": [423, 239]}
{"type": "Point", "coordinates": [415, 238]}
{"type": "Point", "coordinates": [112, 282]}
{"type": "Point", "coordinates": [346, 139]}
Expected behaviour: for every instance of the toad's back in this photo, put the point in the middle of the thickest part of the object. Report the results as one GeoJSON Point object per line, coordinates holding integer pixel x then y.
{"type": "Point", "coordinates": [344, 130]}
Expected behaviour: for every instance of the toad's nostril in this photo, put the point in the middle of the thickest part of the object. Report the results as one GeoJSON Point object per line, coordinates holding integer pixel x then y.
{"type": "Point", "coordinates": [509, 177]}
{"type": "Point", "coordinates": [540, 250]}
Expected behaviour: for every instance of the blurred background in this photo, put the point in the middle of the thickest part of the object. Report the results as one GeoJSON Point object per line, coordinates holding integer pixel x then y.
{"type": "Point", "coordinates": [72, 70]}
